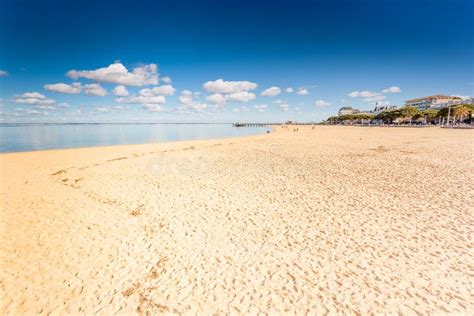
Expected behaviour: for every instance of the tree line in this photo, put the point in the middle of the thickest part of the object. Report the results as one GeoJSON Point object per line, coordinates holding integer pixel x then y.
{"type": "Point", "coordinates": [409, 114]}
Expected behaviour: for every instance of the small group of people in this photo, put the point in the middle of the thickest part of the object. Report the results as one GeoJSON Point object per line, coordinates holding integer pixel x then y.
{"type": "Point", "coordinates": [295, 129]}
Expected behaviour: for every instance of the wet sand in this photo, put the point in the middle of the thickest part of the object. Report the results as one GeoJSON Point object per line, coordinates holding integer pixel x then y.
{"type": "Point", "coordinates": [326, 220]}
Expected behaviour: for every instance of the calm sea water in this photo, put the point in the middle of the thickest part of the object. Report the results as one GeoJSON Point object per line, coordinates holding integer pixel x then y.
{"type": "Point", "coordinates": [27, 137]}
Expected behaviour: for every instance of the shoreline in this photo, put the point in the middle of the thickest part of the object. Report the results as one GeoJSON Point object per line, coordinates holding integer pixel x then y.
{"type": "Point", "coordinates": [330, 220]}
{"type": "Point", "coordinates": [271, 128]}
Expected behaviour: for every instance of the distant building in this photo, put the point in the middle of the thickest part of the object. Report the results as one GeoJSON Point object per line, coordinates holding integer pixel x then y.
{"type": "Point", "coordinates": [346, 110]}
{"type": "Point", "coordinates": [434, 101]}
{"type": "Point", "coordinates": [468, 101]}
{"type": "Point", "coordinates": [382, 108]}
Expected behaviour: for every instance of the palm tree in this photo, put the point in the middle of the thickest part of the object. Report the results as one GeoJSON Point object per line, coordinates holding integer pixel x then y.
{"type": "Point", "coordinates": [460, 112]}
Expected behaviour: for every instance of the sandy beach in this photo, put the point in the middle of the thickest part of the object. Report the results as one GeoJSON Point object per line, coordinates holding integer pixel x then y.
{"type": "Point", "coordinates": [338, 220]}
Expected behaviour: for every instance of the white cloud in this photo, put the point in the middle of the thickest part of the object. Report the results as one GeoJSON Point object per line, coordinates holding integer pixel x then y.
{"type": "Point", "coordinates": [364, 94]}
{"type": "Point", "coordinates": [103, 109]}
{"type": "Point", "coordinates": [161, 90]}
{"type": "Point", "coordinates": [46, 107]}
{"type": "Point", "coordinates": [354, 94]}
{"type": "Point", "coordinates": [321, 103]}
{"type": "Point", "coordinates": [36, 112]}
{"type": "Point", "coordinates": [242, 96]}
{"type": "Point", "coordinates": [33, 98]}
{"type": "Point", "coordinates": [198, 106]}
{"type": "Point", "coordinates": [367, 94]}
{"type": "Point", "coordinates": [153, 107]}
{"type": "Point", "coordinates": [73, 88]}
{"type": "Point", "coordinates": [25, 112]}
{"type": "Point", "coordinates": [186, 99]}
{"type": "Point", "coordinates": [3, 73]}
{"type": "Point", "coordinates": [302, 91]}
{"type": "Point", "coordinates": [261, 107]}
{"type": "Point", "coordinates": [271, 92]}
{"type": "Point", "coordinates": [150, 98]}
{"type": "Point", "coordinates": [95, 89]}
{"type": "Point", "coordinates": [284, 106]}
{"type": "Point", "coordinates": [108, 109]}
{"type": "Point", "coordinates": [227, 87]}
{"type": "Point", "coordinates": [241, 109]}
{"type": "Point", "coordinates": [376, 98]}
{"type": "Point", "coordinates": [216, 98]}
{"type": "Point", "coordinates": [289, 89]}
{"type": "Point", "coordinates": [119, 74]}
{"type": "Point", "coordinates": [35, 95]}
{"type": "Point", "coordinates": [166, 80]}
{"type": "Point", "coordinates": [224, 91]}
{"type": "Point", "coordinates": [121, 91]}
{"type": "Point", "coordinates": [393, 89]}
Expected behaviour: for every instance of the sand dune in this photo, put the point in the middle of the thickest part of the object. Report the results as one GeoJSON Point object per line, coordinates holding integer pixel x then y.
{"type": "Point", "coordinates": [330, 220]}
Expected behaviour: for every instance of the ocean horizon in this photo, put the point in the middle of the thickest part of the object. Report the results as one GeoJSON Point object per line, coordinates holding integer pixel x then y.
{"type": "Point", "coordinates": [21, 137]}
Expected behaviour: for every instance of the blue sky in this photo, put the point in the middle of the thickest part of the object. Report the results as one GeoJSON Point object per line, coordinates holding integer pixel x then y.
{"type": "Point", "coordinates": [331, 53]}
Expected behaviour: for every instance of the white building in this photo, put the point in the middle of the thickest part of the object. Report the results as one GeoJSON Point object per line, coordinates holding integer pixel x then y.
{"type": "Point", "coordinates": [434, 101]}
{"type": "Point", "coordinates": [468, 101]}
{"type": "Point", "coordinates": [379, 109]}
{"type": "Point", "coordinates": [346, 110]}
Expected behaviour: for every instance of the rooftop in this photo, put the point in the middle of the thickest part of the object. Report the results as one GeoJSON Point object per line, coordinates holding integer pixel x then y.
{"type": "Point", "coordinates": [438, 96]}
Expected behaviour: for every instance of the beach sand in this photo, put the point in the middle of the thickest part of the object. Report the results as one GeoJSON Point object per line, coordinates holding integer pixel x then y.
{"type": "Point", "coordinates": [326, 220]}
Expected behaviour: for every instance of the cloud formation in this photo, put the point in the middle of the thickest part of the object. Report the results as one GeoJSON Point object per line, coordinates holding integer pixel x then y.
{"type": "Point", "coordinates": [216, 98]}
{"type": "Point", "coordinates": [149, 98]}
{"type": "Point", "coordinates": [223, 91]}
{"type": "Point", "coordinates": [260, 107]}
{"type": "Point", "coordinates": [321, 103]}
{"type": "Point", "coordinates": [119, 74]}
{"type": "Point", "coordinates": [364, 94]}
{"type": "Point", "coordinates": [376, 98]}
{"type": "Point", "coordinates": [166, 80]}
{"type": "Point", "coordinates": [289, 90]}
{"type": "Point", "coordinates": [187, 102]}
{"type": "Point", "coordinates": [3, 73]}
{"type": "Point", "coordinates": [73, 88]}
{"type": "Point", "coordinates": [302, 91]}
{"type": "Point", "coordinates": [271, 92]}
{"type": "Point", "coordinates": [33, 98]}
{"type": "Point", "coordinates": [120, 91]}
{"type": "Point", "coordinates": [108, 109]}
{"type": "Point", "coordinates": [228, 87]}
{"type": "Point", "coordinates": [219, 98]}
{"type": "Point", "coordinates": [284, 106]}
{"type": "Point", "coordinates": [393, 89]}
{"type": "Point", "coordinates": [95, 89]}
{"type": "Point", "coordinates": [161, 90]}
